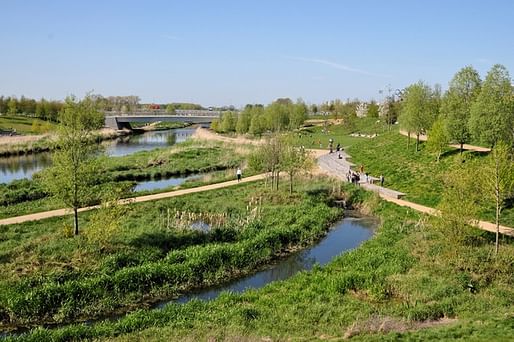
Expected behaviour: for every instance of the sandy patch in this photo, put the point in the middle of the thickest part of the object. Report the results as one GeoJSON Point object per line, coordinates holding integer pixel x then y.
{"type": "Point", "coordinates": [388, 324]}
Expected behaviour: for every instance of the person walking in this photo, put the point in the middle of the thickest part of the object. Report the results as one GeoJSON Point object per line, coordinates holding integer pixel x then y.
{"type": "Point", "coordinates": [381, 180]}
{"type": "Point", "coordinates": [239, 174]}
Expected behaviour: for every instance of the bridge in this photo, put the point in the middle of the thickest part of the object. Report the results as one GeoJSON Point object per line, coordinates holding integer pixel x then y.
{"type": "Point", "coordinates": [117, 120]}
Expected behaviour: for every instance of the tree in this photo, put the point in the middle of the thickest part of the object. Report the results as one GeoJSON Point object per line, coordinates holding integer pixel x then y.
{"type": "Point", "coordinates": [228, 122]}
{"type": "Point", "coordinates": [12, 106]}
{"type": "Point", "coordinates": [438, 138]}
{"type": "Point", "coordinates": [372, 110]}
{"type": "Point", "coordinates": [498, 180]}
{"type": "Point", "coordinates": [244, 120]}
{"type": "Point", "coordinates": [458, 206]}
{"type": "Point", "coordinates": [418, 110]}
{"type": "Point", "coordinates": [75, 171]}
{"type": "Point", "coordinates": [298, 114]}
{"type": "Point", "coordinates": [463, 90]}
{"type": "Point", "coordinates": [492, 114]}
{"type": "Point", "coordinates": [295, 160]}
{"type": "Point", "coordinates": [269, 158]}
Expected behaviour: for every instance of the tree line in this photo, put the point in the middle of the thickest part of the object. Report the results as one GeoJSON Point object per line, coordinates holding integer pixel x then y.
{"type": "Point", "coordinates": [280, 115]}
{"type": "Point", "coordinates": [41, 109]}
{"type": "Point", "coordinates": [471, 110]}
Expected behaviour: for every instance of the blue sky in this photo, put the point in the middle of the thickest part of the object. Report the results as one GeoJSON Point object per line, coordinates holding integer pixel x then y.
{"type": "Point", "coordinates": [238, 52]}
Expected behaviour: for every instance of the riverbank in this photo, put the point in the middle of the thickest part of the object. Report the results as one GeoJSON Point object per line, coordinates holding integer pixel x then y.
{"type": "Point", "coordinates": [23, 144]}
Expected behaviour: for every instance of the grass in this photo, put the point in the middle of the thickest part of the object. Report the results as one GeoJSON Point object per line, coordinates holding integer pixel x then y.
{"type": "Point", "coordinates": [25, 125]}
{"type": "Point", "coordinates": [408, 276]}
{"type": "Point", "coordinates": [52, 278]}
{"type": "Point", "coordinates": [417, 174]}
{"type": "Point", "coordinates": [210, 158]}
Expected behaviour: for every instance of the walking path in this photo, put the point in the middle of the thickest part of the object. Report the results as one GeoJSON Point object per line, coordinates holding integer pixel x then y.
{"type": "Point", "coordinates": [339, 168]}
{"type": "Point", "coordinates": [63, 212]}
{"type": "Point", "coordinates": [464, 147]}
{"type": "Point", "coordinates": [328, 163]}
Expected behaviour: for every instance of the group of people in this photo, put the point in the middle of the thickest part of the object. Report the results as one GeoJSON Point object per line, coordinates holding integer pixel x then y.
{"type": "Point", "coordinates": [355, 177]}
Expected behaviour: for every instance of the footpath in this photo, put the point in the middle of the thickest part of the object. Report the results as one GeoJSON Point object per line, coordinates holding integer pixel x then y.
{"type": "Point", "coordinates": [329, 163]}
{"type": "Point", "coordinates": [333, 166]}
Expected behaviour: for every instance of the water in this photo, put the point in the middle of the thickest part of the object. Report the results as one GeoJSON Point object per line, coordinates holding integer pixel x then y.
{"type": "Point", "coordinates": [163, 183]}
{"type": "Point", "coordinates": [147, 141]}
{"type": "Point", "coordinates": [346, 235]}
{"type": "Point", "coordinates": [19, 167]}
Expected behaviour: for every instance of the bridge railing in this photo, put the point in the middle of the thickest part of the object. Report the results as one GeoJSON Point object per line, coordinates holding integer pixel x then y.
{"type": "Point", "coordinates": [157, 112]}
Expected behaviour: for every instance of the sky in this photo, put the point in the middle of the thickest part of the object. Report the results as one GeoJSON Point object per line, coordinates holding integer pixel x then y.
{"type": "Point", "coordinates": [222, 52]}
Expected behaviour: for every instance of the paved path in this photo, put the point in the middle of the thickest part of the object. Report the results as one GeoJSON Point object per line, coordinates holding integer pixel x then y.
{"type": "Point", "coordinates": [333, 166]}
{"type": "Point", "coordinates": [464, 147]}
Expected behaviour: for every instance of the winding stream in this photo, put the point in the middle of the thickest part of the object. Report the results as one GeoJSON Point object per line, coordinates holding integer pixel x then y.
{"type": "Point", "coordinates": [344, 236]}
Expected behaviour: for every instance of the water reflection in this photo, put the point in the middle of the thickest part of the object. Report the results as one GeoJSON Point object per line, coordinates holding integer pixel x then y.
{"type": "Point", "coordinates": [163, 183]}
{"type": "Point", "coordinates": [147, 141]}
{"type": "Point", "coordinates": [19, 167]}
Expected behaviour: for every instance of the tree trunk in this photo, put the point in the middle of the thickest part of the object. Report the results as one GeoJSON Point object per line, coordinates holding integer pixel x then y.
{"type": "Point", "coordinates": [278, 178]}
{"type": "Point", "coordinates": [408, 139]}
{"type": "Point", "coordinates": [76, 214]}
{"type": "Point", "coordinates": [417, 142]}
{"type": "Point", "coordinates": [461, 148]}
{"type": "Point", "coordinates": [498, 203]}
{"type": "Point", "coordinates": [290, 183]}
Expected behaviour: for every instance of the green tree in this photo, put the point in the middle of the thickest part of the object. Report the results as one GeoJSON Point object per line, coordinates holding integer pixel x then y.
{"type": "Point", "coordinates": [498, 180]}
{"type": "Point", "coordinates": [295, 160]}
{"type": "Point", "coordinates": [418, 110]}
{"type": "Point", "coordinates": [372, 110]}
{"type": "Point", "coordinates": [458, 206]}
{"type": "Point", "coordinates": [228, 122]}
{"type": "Point", "coordinates": [298, 114]}
{"type": "Point", "coordinates": [75, 170]}
{"type": "Point", "coordinates": [244, 120]}
{"type": "Point", "coordinates": [463, 90]}
{"type": "Point", "coordinates": [257, 124]}
{"type": "Point", "coordinates": [12, 106]}
{"type": "Point", "coordinates": [492, 114]}
{"type": "Point", "coordinates": [438, 138]}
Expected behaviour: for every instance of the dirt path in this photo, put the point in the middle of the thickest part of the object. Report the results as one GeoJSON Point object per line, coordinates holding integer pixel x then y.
{"type": "Point", "coordinates": [63, 212]}
{"type": "Point", "coordinates": [202, 133]}
{"type": "Point", "coordinates": [464, 147]}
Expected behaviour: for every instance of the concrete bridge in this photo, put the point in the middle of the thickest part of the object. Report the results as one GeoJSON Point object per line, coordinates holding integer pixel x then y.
{"type": "Point", "coordinates": [118, 120]}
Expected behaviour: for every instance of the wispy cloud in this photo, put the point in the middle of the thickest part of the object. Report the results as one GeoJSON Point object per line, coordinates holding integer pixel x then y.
{"type": "Point", "coordinates": [169, 37]}
{"type": "Point", "coordinates": [337, 66]}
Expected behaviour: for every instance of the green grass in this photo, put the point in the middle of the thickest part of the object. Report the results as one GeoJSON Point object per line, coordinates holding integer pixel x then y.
{"type": "Point", "coordinates": [407, 274]}
{"type": "Point", "coordinates": [25, 125]}
{"type": "Point", "coordinates": [312, 136]}
{"type": "Point", "coordinates": [213, 159]}
{"type": "Point", "coordinates": [51, 278]}
{"type": "Point", "coordinates": [417, 174]}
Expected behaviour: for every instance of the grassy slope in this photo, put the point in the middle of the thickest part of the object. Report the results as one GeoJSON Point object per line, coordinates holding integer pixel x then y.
{"type": "Point", "coordinates": [405, 274]}
{"type": "Point", "coordinates": [415, 173]}
{"type": "Point", "coordinates": [22, 124]}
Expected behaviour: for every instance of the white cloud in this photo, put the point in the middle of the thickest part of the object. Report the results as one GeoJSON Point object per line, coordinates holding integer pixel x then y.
{"type": "Point", "coordinates": [337, 66]}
